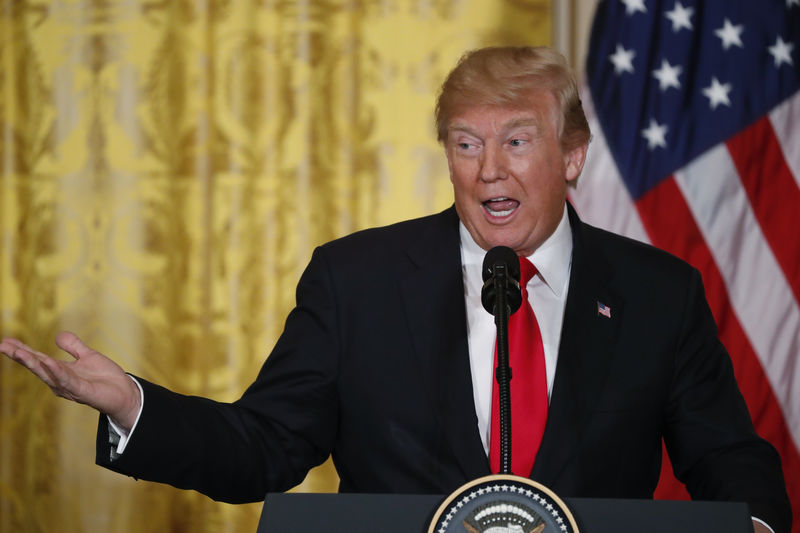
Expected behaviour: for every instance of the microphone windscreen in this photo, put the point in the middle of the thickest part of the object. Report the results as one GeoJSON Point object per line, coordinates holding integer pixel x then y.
{"type": "Point", "coordinates": [501, 254]}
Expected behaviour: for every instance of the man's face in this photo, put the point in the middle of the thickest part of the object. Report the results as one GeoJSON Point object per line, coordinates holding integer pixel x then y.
{"type": "Point", "coordinates": [508, 171]}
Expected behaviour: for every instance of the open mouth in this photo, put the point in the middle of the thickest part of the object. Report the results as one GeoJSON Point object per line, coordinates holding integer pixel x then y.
{"type": "Point", "coordinates": [500, 206]}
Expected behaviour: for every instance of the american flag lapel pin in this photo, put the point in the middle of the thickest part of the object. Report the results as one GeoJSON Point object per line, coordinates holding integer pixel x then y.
{"type": "Point", "coordinates": [603, 309]}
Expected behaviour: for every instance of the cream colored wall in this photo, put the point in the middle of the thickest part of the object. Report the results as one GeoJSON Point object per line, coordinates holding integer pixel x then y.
{"type": "Point", "coordinates": [572, 22]}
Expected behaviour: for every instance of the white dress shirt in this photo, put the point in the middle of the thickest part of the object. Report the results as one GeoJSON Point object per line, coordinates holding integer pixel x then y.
{"type": "Point", "coordinates": [547, 293]}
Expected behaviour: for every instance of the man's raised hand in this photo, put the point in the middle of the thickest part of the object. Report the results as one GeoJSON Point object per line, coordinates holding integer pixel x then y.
{"type": "Point", "coordinates": [92, 378]}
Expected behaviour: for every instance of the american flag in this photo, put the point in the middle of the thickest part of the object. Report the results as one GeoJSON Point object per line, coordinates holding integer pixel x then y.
{"type": "Point", "coordinates": [694, 108]}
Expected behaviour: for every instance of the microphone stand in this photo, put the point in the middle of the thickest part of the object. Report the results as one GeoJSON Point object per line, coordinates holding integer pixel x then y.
{"type": "Point", "coordinates": [503, 372]}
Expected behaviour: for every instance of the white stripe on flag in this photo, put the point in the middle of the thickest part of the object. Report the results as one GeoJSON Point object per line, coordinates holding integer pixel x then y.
{"type": "Point", "coordinates": [784, 119]}
{"type": "Point", "coordinates": [601, 197]}
{"type": "Point", "coordinates": [760, 295]}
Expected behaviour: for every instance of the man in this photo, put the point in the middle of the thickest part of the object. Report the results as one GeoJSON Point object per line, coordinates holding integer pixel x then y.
{"type": "Point", "coordinates": [386, 361]}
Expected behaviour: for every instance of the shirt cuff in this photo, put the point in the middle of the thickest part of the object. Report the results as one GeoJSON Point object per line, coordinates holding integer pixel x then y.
{"type": "Point", "coordinates": [762, 523]}
{"type": "Point", "coordinates": [117, 436]}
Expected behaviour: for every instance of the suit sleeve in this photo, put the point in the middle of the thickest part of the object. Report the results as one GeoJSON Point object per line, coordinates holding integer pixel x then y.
{"type": "Point", "coordinates": [284, 424]}
{"type": "Point", "coordinates": [709, 434]}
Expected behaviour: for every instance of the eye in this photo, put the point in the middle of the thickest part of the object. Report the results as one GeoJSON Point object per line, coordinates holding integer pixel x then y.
{"type": "Point", "coordinates": [516, 142]}
{"type": "Point", "coordinates": [464, 146]}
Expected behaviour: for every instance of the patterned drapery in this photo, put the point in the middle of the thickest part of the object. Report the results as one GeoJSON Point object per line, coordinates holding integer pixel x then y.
{"type": "Point", "coordinates": [166, 168]}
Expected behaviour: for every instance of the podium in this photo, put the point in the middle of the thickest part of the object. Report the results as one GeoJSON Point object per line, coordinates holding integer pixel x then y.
{"type": "Point", "coordinates": [404, 513]}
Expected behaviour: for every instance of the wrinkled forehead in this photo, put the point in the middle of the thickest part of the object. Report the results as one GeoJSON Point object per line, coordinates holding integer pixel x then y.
{"type": "Point", "coordinates": [536, 108]}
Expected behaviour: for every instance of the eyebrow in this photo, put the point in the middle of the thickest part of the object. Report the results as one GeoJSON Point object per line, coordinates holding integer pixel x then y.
{"type": "Point", "coordinates": [461, 127]}
{"type": "Point", "coordinates": [519, 122]}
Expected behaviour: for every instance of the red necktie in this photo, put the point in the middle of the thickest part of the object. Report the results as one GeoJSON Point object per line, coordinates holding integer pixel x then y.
{"type": "Point", "coordinates": [528, 386]}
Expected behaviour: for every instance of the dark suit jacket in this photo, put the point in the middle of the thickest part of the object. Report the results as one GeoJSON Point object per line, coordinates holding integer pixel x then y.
{"type": "Point", "coordinates": [373, 367]}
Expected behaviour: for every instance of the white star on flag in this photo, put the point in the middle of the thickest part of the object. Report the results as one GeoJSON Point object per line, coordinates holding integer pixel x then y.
{"type": "Point", "coordinates": [632, 6]}
{"type": "Point", "coordinates": [667, 75]}
{"type": "Point", "coordinates": [717, 93]}
{"type": "Point", "coordinates": [680, 17]}
{"type": "Point", "coordinates": [731, 35]}
{"type": "Point", "coordinates": [622, 59]}
{"type": "Point", "coordinates": [655, 134]}
{"type": "Point", "coordinates": [782, 52]}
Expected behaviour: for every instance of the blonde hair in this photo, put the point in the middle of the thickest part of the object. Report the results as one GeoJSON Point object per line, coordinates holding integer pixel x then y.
{"type": "Point", "coordinates": [505, 76]}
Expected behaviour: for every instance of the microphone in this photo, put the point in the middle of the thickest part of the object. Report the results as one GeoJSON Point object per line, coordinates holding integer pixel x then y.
{"type": "Point", "coordinates": [501, 273]}
{"type": "Point", "coordinates": [501, 296]}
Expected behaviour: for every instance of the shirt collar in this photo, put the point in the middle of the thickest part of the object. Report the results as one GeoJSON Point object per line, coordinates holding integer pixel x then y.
{"type": "Point", "coordinates": [552, 259]}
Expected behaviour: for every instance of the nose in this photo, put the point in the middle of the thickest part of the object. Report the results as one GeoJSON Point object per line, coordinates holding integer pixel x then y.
{"type": "Point", "coordinates": [493, 163]}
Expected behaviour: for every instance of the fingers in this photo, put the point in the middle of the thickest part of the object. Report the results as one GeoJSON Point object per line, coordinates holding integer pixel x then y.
{"type": "Point", "coordinates": [14, 344]}
{"type": "Point", "coordinates": [56, 375]}
{"type": "Point", "coordinates": [70, 343]}
{"type": "Point", "coordinates": [48, 371]}
{"type": "Point", "coordinates": [19, 352]}
{"type": "Point", "coordinates": [91, 379]}
{"type": "Point", "coordinates": [29, 358]}
{"type": "Point", "coordinates": [53, 373]}
{"type": "Point", "coordinates": [66, 340]}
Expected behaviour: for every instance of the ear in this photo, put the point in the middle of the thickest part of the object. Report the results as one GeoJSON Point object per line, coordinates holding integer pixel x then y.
{"type": "Point", "coordinates": [449, 163]}
{"type": "Point", "coordinates": [573, 162]}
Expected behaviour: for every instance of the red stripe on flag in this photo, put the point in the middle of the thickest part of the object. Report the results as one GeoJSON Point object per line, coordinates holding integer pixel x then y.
{"type": "Point", "coordinates": [773, 193]}
{"type": "Point", "coordinates": [671, 226]}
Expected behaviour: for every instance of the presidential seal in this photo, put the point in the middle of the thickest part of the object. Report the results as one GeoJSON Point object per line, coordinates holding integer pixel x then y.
{"type": "Point", "coordinates": [503, 504]}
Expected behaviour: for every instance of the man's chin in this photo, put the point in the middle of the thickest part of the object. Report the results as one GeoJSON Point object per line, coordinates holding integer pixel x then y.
{"type": "Point", "coordinates": [492, 243]}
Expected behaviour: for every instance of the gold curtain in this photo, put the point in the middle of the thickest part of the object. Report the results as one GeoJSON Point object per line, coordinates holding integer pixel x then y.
{"type": "Point", "coordinates": [166, 168]}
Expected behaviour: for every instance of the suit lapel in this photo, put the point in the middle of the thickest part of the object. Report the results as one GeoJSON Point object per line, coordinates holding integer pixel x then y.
{"type": "Point", "coordinates": [588, 338]}
{"type": "Point", "coordinates": [433, 295]}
